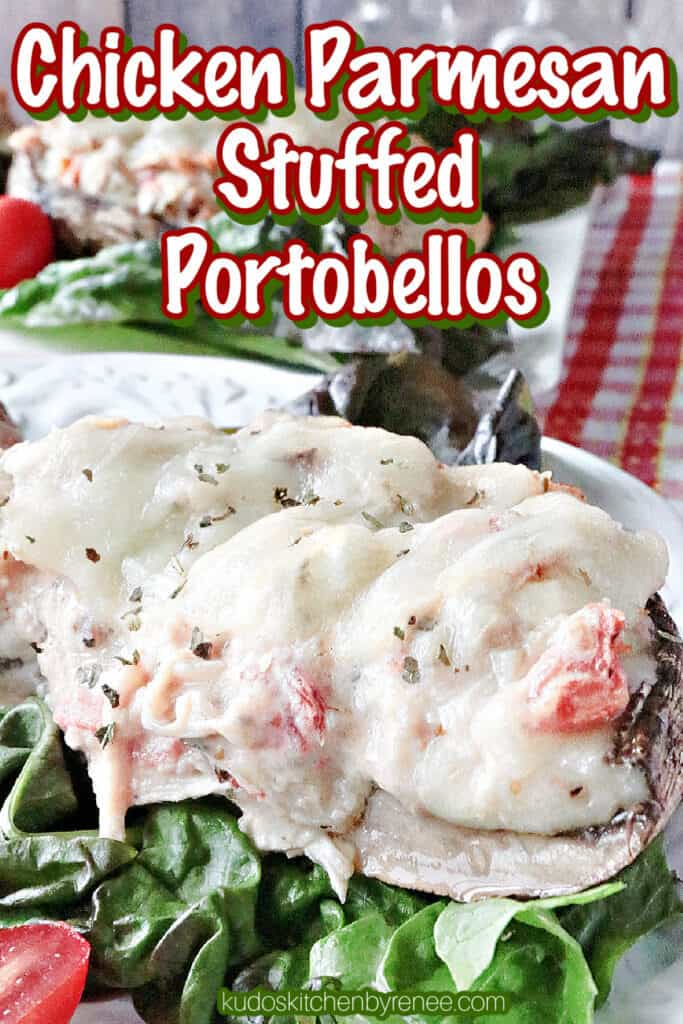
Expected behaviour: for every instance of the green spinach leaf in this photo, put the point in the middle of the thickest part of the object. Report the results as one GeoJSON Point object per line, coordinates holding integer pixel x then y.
{"type": "Point", "coordinates": [606, 929]}
{"type": "Point", "coordinates": [42, 869]}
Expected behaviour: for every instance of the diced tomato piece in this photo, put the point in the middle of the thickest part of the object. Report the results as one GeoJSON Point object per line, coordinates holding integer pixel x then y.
{"type": "Point", "coordinates": [578, 683]}
{"type": "Point", "coordinates": [42, 973]}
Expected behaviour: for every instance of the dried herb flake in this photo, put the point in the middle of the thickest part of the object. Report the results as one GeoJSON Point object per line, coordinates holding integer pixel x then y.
{"type": "Point", "coordinates": [88, 675]}
{"type": "Point", "coordinates": [280, 495]}
{"type": "Point", "coordinates": [411, 670]}
{"type": "Point", "coordinates": [200, 647]}
{"type": "Point", "coordinates": [372, 521]}
{"type": "Point", "coordinates": [407, 508]}
{"type": "Point", "coordinates": [105, 734]}
{"type": "Point", "coordinates": [111, 695]}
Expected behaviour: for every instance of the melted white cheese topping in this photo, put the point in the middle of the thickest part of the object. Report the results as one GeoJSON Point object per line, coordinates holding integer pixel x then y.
{"type": "Point", "coordinates": [305, 610]}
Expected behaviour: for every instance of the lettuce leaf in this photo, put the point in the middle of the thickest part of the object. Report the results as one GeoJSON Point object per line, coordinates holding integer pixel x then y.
{"type": "Point", "coordinates": [187, 906]}
{"type": "Point", "coordinates": [467, 934]}
{"type": "Point", "coordinates": [182, 915]}
{"type": "Point", "coordinates": [113, 299]}
{"type": "Point", "coordinates": [607, 929]}
{"type": "Point", "coordinates": [43, 872]}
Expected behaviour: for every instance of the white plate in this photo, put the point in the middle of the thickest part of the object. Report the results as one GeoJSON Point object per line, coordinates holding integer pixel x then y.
{"type": "Point", "coordinates": [142, 386]}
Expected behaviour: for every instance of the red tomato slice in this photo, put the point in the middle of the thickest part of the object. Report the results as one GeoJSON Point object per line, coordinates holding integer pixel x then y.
{"type": "Point", "coordinates": [26, 240]}
{"type": "Point", "coordinates": [42, 973]}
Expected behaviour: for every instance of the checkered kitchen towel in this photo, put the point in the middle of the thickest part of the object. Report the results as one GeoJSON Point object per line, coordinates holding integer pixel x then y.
{"type": "Point", "coordinates": [621, 394]}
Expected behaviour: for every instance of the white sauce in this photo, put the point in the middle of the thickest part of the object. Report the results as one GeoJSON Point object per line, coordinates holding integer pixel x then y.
{"type": "Point", "coordinates": [384, 632]}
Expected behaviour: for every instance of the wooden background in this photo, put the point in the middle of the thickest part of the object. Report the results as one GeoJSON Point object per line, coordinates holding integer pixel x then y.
{"type": "Point", "coordinates": [280, 23]}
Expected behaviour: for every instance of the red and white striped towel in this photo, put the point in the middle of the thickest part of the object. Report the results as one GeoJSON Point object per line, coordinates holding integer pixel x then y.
{"type": "Point", "coordinates": [621, 394]}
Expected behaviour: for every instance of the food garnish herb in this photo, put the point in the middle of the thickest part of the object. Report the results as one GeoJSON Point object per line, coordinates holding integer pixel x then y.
{"type": "Point", "coordinates": [199, 646]}
{"type": "Point", "coordinates": [135, 595]}
{"type": "Point", "coordinates": [280, 495]}
{"type": "Point", "coordinates": [133, 660]}
{"type": "Point", "coordinates": [407, 508]}
{"type": "Point", "coordinates": [405, 527]}
{"type": "Point", "coordinates": [205, 478]}
{"type": "Point", "coordinates": [178, 589]}
{"type": "Point", "coordinates": [411, 670]}
{"type": "Point", "coordinates": [88, 675]}
{"type": "Point", "coordinates": [111, 695]}
{"type": "Point", "coordinates": [398, 632]}
{"type": "Point", "coordinates": [105, 734]}
{"type": "Point", "coordinates": [385, 462]}
{"type": "Point", "coordinates": [208, 520]}
{"type": "Point", "coordinates": [87, 473]}
{"type": "Point", "coordinates": [372, 521]}
{"type": "Point", "coordinates": [30, 539]}
{"type": "Point", "coordinates": [443, 655]}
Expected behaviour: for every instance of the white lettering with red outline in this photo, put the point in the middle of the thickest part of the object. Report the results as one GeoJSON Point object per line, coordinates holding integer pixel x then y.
{"type": "Point", "coordinates": [519, 81]}
{"type": "Point", "coordinates": [442, 282]}
{"type": "Point", "coordinates": [284, 178]}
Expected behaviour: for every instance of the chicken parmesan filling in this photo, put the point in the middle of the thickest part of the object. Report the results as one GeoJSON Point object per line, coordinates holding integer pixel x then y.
{"type": "Point", "coordinates": [305, 611]}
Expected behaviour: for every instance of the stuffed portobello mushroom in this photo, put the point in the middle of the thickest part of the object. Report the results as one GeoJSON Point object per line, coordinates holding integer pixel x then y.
{"type": "Point", "coordinates": [421, 852]}
{"type": "Point", "coordinates": [454, 679]}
